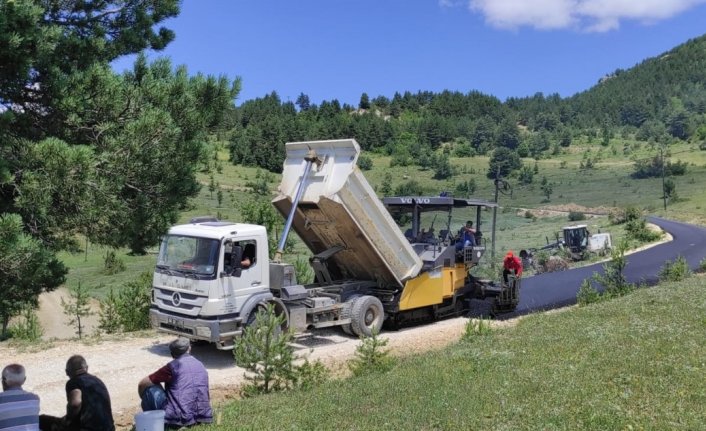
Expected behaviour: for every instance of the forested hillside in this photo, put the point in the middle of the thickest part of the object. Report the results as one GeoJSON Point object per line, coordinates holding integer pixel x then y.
{"type": "Point", "coordinates": [661, 100]}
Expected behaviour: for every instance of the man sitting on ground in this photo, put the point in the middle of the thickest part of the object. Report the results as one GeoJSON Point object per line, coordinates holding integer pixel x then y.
{"type": "Point", "coordinates": [19, 409]}
{"type": "Point", "coordinates": [88, 402]}
{"type": "Point", "coordinates": [185, 398]}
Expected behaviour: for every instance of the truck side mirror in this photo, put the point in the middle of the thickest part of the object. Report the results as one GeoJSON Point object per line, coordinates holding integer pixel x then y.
{"type": "Point", "coordinates": [236, 256]}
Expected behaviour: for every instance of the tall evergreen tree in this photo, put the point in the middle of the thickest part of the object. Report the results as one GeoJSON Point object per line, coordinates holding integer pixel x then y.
{"type": "Point", "coordinates": [27, 268]}
{"type": "Point", "coordinates": [85, 150]}
{"type": "Point", "coordinates": [508, 134]}
{"type": "Point", "coordinates": [364, 101]}
{"type": "Point", "coordinates": [303, 102]}
{"type": "Point", "coordinates": [503, 162]}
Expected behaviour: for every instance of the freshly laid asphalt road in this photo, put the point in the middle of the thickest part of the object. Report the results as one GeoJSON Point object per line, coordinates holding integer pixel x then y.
{"type": "Point", "coordinates": [558, 289]}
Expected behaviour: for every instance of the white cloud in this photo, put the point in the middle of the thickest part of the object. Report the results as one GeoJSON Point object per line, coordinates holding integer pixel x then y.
{"type": "Point", "coordinates": [546, 14]}
{"type": "Point", "coordinates": [585, 15]}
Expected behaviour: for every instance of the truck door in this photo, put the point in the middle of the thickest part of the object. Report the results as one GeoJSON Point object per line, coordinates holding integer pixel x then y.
{"type": "Point", "coordinates": [238, 288]}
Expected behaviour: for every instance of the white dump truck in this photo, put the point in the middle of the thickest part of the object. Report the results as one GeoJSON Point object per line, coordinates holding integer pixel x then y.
{"type": "Point", "coordinates": [212, 276]}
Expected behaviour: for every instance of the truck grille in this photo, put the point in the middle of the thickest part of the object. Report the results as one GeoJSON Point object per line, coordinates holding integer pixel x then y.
{"type": "Point", "coordinates": [187, 303]}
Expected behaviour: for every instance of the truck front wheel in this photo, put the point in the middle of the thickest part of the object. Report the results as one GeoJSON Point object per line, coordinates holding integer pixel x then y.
{"type": "Point", "coordinates": [367, 316]}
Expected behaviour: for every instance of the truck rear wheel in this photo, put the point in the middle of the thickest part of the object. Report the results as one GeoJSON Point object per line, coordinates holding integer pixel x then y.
{"type": "Point", "coordinates": [367, 316]}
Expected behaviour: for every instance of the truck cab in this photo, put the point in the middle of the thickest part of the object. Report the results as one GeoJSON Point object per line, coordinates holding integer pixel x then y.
{"type": "Point", "coordinates": [209, 277]}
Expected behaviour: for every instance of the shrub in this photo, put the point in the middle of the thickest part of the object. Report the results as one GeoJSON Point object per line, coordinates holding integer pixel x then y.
{"type": "Point", "coordinates": [371, 356]}
{"type": "Point", "coordinates": [442, 167]}
{"type": "Point", "coordinates": [576, 216]}
{"type": "Point", "coordinates": [466, 188]}
{"type": "Point", "coordinates": [28, 327]}
{"type": "Point", "coordinates": [129, 310]}
{"type": "Point", "coordinates": [476, 328]}
{"type": "Point", "coordinates": [409, 188]}
{"type": "Point", "coordinates": [632, 213]}
{"type": "Point", "coordinates": [400, 159]}
{"type": "Point", "coordinates": [587, 294]}
{"type": "Point", "coordinates": [463, 148]}
{"type": "Point", "coordinates": [541, 258]}
{"type": "Point", "coordinates": [260, 186]}
{"type": "Point", "coordinates": [365, 163]}
{"type": "Point", "coordinates": [622, 215]}
{"type": "Point", "coordinates": [109, 318]}
{"type": "Point", "coordinates": [637, 228]}
{"type": "Point", "coordinates": [134, 303]}
{"type": "Point", "coordinates": [653, 168]}
{"type": "Point", "coordinates": [675, 271]}
{"type": "Point", "coordinates": [526, 175]}
{"type": "Point", "coordinates": [613, 279]}
{"type": "Point", "coordinates": [702, 264]}
{"type": "Point", "coordinates": [112, 264]}
{"type": "Point", "coordinates": [311, 374]}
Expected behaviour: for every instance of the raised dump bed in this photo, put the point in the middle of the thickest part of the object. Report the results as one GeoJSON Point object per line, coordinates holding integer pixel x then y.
{"type": "Point", "coordinates": [339, 208]}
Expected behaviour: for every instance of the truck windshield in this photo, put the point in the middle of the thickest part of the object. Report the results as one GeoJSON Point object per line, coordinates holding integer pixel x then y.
{"type": "Point", "coordinates": [188, 254]}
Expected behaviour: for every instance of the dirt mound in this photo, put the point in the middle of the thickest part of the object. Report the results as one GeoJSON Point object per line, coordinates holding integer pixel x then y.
{"type": "Point", "coordinates": [54, 321]}
{"type": "Point", "coordinates": [572, 207]}
{"type": "Point", "coordinates": [563, 210]}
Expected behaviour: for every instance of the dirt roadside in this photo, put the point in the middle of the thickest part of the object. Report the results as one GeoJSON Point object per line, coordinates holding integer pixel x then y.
{"type": "Point", "coordinates": [122, 363]}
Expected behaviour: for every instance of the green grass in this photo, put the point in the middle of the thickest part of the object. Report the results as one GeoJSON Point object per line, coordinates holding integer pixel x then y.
{"type": "Point", "coordinates": [633, 363]}
{"type": "Point", "coordinates": [88, 268]}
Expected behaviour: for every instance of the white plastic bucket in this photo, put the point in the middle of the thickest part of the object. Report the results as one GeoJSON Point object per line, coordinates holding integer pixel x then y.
{"type": "Point", "coordinates": [150, 421]}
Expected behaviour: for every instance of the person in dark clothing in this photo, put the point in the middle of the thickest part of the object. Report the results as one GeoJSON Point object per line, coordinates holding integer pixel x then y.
{"type": "Point", "coordinates": [466, 236]}
{"type": "Point", "coordinates": [88, 402]}
{"type": "Point", "coordinates": [511, 264]}
{"type": "Point", "coordinates": [185, 397]}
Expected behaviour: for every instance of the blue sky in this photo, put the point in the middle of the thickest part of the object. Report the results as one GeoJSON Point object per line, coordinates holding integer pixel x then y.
{"type": "Point", "coordinates": [338, 49]}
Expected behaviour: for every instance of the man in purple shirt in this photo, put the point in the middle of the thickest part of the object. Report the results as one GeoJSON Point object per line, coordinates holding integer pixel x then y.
{"type": "Point", "coordinates": [185, 398]}
{"type": "Point", "coordinates": [19, 409]}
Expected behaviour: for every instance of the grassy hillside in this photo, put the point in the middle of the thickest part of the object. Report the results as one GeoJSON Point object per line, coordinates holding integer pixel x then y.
{"type": "Point", "coordinates": [608, 184]}
{"type": "Point", "coordinates": [632, 363]}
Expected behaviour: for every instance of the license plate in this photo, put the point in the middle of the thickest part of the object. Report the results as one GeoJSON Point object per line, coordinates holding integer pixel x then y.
{"type": "Point", "coordinates": [177, 323]}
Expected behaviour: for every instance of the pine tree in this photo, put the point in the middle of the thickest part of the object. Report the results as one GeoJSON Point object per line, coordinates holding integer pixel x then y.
{"type": "Point", "coordinates": [364, 101]}
{"type": "Point", "coordinates": [211, 185]}
{"type": "Point", "coordinates": [109, 319]}
{"type": "Point", "coordinates": [371, 356]}
{"type": "Point", "coordinates": [115, 166]}
{"type": "Point", "coordinates": [77, 307]}
{"type": "Point", "coordinates": [27, 267]}
{"type": "Point", "coordinates": [264, 350]}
